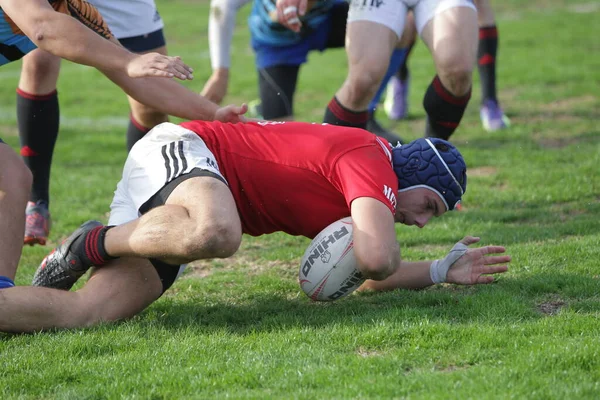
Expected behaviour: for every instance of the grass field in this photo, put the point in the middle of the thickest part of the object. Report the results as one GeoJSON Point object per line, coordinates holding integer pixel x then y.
{"type": "Point", "coordinates": [241, 328]}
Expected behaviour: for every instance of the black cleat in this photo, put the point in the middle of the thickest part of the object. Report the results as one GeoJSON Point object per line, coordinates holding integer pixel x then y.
{"type": "Point", "coordinates": [62, 268]}
{"type": "Point", "coordinates": [376, 129]}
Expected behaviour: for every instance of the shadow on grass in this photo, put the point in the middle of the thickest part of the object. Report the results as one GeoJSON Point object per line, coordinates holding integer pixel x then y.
{"type": "Point", "coordinates": [508, 302]}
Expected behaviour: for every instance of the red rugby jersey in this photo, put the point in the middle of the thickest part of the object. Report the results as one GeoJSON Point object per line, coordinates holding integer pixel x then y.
{"type": "Point", "coordinates": [298, 177]}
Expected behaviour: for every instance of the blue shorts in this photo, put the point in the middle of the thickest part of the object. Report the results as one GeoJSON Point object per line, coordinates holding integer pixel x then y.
{"type": "Point", "coordinates": [144, 43]}
{"type": "Point", "coordinates": [295, 54]}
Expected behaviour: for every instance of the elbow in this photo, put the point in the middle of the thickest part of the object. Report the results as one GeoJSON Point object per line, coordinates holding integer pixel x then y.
{"type": "Point", "coordinates": [379, 266]}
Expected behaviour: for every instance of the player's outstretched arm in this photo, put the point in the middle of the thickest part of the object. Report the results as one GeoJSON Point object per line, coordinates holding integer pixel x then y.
{"type": "Point", "coordinates": [64, 36]}
{"type": "Point", "coordinates": [169, 97]}
{"type": "Point", "coordinates": [462, 266]}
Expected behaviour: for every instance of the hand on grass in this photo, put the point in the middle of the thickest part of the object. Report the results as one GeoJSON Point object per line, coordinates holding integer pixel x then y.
{"type": "Point", "coordinates": [477, 265]}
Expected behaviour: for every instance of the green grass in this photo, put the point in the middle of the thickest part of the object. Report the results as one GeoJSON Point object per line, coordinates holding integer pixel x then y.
{"type": "Point", "coordinates": [241, 328]}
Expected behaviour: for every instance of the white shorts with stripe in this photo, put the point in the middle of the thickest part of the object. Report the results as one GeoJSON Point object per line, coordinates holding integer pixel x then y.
{"type": "Point", "coordinates": [392, 13]}
{"type": "Point", "coordinates": [163, 154]}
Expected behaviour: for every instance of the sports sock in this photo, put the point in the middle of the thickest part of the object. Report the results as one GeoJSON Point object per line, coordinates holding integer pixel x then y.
{"type": "Point", "coordinates": [337, 114]}
{"type": "Point", "coordinates": [135, 131]}
{"type": "Point", "coordinates": [90, 247]}
{"type": "Point", "coordinates": [396, 59]}
{"type": "Point", "coordinates": [403, 70]}
{"type": "Point", "coordinates": [486, 61]}
{"type": "Point", "coordinates": [38, 121]}
{"type": "Point", "coordinates": [6, 282]}
{"type": "Point", "coordinates": [444, 110]}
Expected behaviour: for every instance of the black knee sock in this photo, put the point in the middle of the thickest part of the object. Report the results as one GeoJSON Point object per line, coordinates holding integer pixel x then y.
{"type": "Point", "coordinates": [90, 247]}
{"type": "Point", "coordinates": [38, 120]}
{"type": "Point", "coordinates": [444, 110]}
{"type": "Point", "coordinates": [486, 56]}
{"type": "Point", "coordinates": [337, 114]}
{"type": "Point", "coordinates": [135, 131]}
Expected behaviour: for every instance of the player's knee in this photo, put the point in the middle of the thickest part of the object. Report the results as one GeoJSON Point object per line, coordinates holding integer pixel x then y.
{"type": "Point", "coordinates": [218, 239]}
{"type": "Point", "coordinates": [39, 71]}
{"type": "Point", "coordinates": [18, 181]}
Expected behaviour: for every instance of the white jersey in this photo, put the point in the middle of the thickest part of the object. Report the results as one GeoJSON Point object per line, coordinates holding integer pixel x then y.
{"type": "Point", "coordinates": [129, 18]}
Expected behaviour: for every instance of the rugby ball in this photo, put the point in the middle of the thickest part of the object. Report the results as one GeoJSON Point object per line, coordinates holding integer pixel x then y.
{"type": "Point", "coordinates": [328, 270]}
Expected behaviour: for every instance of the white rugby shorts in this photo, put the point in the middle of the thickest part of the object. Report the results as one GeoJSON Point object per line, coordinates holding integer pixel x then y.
{"type": "Point", "coordinates": [163, 154]}
{"type": "Point", "coordinates": [392, 13]}
{"type": "Point", "coordinates": [129, 18]}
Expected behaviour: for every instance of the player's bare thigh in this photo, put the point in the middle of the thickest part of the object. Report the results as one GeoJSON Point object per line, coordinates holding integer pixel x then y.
{"type": "Point", "coordinates": [119, 290]}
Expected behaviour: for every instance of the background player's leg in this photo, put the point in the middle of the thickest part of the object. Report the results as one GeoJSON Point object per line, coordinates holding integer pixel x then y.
{"type": "Point", "coordinates": [15, 183]}
{"type": "Point", "coordinates": [38, 120]}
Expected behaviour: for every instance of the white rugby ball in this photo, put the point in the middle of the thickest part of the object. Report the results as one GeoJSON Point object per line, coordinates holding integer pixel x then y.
{"type": "Point", "coordinates": [328, 270]}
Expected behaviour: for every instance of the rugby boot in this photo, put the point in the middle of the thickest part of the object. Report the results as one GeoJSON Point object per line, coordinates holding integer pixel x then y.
{"type": "Point", "coordinates": [37, 223]}
{"type": "Point", "coordinates": [374, 127]}
{"type": "Point", "coordinates": [62, 267]}
{"type": "Point", "coordinates": [492, 116]}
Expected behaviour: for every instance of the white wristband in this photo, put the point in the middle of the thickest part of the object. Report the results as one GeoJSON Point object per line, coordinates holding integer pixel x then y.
{"type": "Point", "coordinates": [439, 268]}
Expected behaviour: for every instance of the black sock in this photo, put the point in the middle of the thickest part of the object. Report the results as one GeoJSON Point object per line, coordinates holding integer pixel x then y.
{"type": "Point", "coordinates": [444, 110]}
{"type": "Point", "coordinates": [337, 114]}
{"type": "Point", "coordinates": [90, 247]}
{"type": "Point", "coordinates": [403, 70]}
{"type": "Point", "coordinates": [486, 61]}
{"type": "Point", "coordinates": [135, 131]}
{"type": "Point", "coordinates": [38, 121]}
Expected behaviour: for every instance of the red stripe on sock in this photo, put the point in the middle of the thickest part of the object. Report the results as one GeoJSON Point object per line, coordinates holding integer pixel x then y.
{"type": "Point", "coordinates": [38, 97]}
{"type": "Point", "coordinates": [27, 151]}
{"type": "Point", "coordinates": [138, 125]}
{"type": "Point", "coordinates": [447, 96]}
{"type": "Point", "coordinates": [489, 32]}
{"type": "Point", "coordinates": [91, 246]}
{"type": "Point", "coordinates": [340, 112]}
{"type": "Point", "coordinates": [486, 59]}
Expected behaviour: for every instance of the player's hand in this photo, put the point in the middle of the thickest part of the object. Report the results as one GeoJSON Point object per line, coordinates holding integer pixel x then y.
{"type": "Point", "coordinates": [476, 265]}
{"type": "Point", "coordinates": [158, 65]}
{"type": "Point", "coordinates": [215, 88]}
{"type": "Point", "coordinates": [231, 113]}
{"type": "Point", "coordinates": [289, 13]}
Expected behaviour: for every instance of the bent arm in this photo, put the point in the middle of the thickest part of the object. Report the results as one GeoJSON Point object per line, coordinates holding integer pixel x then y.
{"type": "Point", "coordinates": [375, 246]}
{"type": "Point", "coordinates": [65, 37]}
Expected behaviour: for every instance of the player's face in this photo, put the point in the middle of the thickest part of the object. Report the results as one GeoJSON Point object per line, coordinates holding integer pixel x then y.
{"type": "Point", "coordinates": [417, 206]}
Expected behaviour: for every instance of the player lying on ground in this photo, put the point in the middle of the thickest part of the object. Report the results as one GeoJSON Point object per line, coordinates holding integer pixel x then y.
{"type": "Point", "coordinates": [199, 185]}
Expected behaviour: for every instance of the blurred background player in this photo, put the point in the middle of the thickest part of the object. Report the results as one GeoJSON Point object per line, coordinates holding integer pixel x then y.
{"type": "Point", "coordinates": [448, 28]}
{"type": "Point", "coordinates": [121, 66]}
{"type": "Point", "coordinates": [139, 28]}
{"type": "Point", "coordinates": [280, 52]}
{"type": "Point", "coordinates": [491, 114]}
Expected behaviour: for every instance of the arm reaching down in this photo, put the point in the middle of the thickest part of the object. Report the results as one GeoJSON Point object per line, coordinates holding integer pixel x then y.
{"type": "Point", "coordinates": [471, 267]}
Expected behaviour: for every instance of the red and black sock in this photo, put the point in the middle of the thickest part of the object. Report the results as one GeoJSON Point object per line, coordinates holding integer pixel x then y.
{"type": "Point", "coordinates": [444, 110]}
{"type": "Point", "coordinates": [90, 247]}
{"type": "Point", "coordinates": [135, 131]}
{"type": "Point", "coordinates": [486, 61]}
{"type": "Point", "coordinates": [337, 114]}
{"type": "Point", "coordinates": [38, 120]}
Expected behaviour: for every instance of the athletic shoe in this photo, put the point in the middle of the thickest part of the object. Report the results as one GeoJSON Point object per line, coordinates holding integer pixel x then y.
{"type": "Point", "coordinates": [396, 98]}
{"type": "Point", "coordinates": [37, 223]}
{"type": "Point", "coordinates": [374, 127]}
{"type": "Point", "coordinates": [492, 117]}
{"type": "Point", "coordinates": [254, 109]}
{"type": "Point", "coordinates": [62, 268]}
